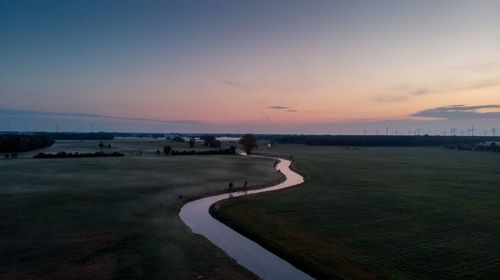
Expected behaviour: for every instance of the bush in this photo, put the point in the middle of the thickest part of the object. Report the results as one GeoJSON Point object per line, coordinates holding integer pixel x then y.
{"type": "Point", "coordinates": [167, 150]}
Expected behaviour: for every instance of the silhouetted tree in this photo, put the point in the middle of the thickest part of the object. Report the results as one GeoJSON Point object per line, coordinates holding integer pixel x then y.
{"type": "Point", "coordinates": [178, 139]}
{"type": "Point", "coordinates": [167, 150]}
{"type": "Point", "coordinates": [211, 141]}
{"type": "Point", "coordinates": [101, 145]}
{"type": "Point", "coordinates": [231, 186]}
{"type": "Point", "coordinates": [191, 142]}
{"type": "Point", "coordinates": [232, 149]}
{"type": "Point", "coordinates": [249, 142]}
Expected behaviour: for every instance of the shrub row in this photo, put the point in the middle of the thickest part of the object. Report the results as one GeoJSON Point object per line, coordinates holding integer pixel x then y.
{"type": "Point", "coordinates": [373, 140]}
{"type": "Point", "coordinates": [78, 155]}
{"type": "Point", "coordinates": [229, 151]}
{"type": "Point", "coordinates": [480, 147]}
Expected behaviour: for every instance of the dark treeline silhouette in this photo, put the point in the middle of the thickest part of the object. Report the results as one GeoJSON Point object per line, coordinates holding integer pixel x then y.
{"type": "Point", "coordinates": [492, 147]}
{"type": "Point", "coordinates": [228, 151]}
{"type": "Point", "coordinates": [78, 155]}
{"type": "Point", "coordinates": [249, 142]}
{"type": "Point", "coordinates": [78, 136]}
{"type": "Point", "coordinates": [358, 140]}
{"type": "Point", "coordinates": [139, 135]}
{"type": "Point", "coordinates": [23, 143]}
{"type": "Point", "coordinates": [178, 139]}
{"type": "Point", "coordinates": [210, 141]}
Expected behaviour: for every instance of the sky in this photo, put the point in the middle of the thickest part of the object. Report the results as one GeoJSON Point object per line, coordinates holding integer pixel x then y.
{"type": "Point", "coordinates": [288, 66]}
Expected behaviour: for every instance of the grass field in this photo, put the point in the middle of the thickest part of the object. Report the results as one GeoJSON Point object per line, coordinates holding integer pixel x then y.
{"type": "Point", "coordinates": [386, 213]}
{"type": "Point", "coordinates": [104, 218]}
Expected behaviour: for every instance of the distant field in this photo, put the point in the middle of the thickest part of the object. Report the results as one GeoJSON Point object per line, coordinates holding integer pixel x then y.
{"type": "Point", "coordinates": [103, 218]}
{"type": "Point", "coordinates": [387, 213]}
{"type": "Point", "coordinates": [126, 146]}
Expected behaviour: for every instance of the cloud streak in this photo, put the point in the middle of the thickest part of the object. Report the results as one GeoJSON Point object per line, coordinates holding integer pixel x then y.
{"type": "Point", "coordinates": [460, 112]}
{"type": "Point", "coordinates": [34, 114]}
{"type": "Point", "coordinates": [237, 85]}
{"type": "Point", "coordinates": [283, 108]}
{"type": "Point", "coordinates": [402, 93]}
{"type": "Point", "coordinates": [405, 93]}
{"type": "Point", "coordinates": [278, 107]}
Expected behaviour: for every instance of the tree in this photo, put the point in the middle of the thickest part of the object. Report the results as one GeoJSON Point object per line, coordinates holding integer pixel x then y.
{"type": "Point", "coordinates": [191, 142]}
{"type": "Point", "coordinates": [158, 152]}
{"type": "Point", "coordinates": [178, 139]}
{"type": "Point", "coordinates": [101, 145]}
{"type": "Point", "coordinates": [211, 141]}
{"type": "Point", "coordinates": [249, 142]}
{"type": "Point", "coordinates": [231, 187]}
{"type": "Point", "coordinates": [167, 150]}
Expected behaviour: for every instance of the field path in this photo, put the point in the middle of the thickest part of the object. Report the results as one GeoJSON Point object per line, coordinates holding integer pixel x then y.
{"type": "Point", "coordinates": [246, 252]}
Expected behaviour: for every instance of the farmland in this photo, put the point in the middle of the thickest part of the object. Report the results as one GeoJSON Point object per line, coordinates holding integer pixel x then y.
{"type": "Point", "coordinates": [107, 218]}
{"type": "Point", "coordinates": [381, 213]}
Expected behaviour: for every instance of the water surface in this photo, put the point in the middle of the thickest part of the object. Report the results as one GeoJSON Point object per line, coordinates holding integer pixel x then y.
{"type": "Point", "coordinates": [245, 251]}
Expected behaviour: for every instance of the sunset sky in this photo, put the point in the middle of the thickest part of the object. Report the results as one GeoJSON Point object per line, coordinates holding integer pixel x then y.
{"type": "Point", "coordinates": [261, 66]}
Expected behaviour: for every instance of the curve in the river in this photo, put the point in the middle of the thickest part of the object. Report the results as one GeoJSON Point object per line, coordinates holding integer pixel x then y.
{"type": "Point", "coordinates": [246, 252]}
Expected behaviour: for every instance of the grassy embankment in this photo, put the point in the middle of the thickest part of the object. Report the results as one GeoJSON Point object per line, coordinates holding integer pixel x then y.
{"type": "Point", "coordinates": [102, 218]}
{"type": "Point", "coordinates": [388, 213]}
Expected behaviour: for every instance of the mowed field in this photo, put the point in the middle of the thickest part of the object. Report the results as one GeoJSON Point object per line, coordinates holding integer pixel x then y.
{"type": "Point", "coordinates": [381, 213]}
{"type": "Point", "coordinates": [114, 218]}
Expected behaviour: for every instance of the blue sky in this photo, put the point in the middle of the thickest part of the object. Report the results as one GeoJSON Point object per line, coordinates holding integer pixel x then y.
{"type": "Point", "coordinates": [264, 66]}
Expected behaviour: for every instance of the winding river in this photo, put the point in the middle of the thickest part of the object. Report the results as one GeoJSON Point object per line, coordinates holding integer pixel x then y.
{"type": "Point", "coordinates": [245, 251]}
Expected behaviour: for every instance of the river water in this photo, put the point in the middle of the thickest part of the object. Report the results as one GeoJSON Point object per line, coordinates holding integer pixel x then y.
{"type": "Point", "coordinates": [245, 251]}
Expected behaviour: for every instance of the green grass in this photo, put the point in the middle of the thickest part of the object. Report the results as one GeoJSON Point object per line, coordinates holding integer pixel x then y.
{"type": "Point", "coordinates": [388, 213]}
{"type": "Point", "coordinates": [114, 218]}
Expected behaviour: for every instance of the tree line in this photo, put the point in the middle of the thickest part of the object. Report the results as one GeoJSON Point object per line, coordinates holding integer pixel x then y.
{"type": "Point", "coordinates": [167, 150]}
{"type": "Point", "coordinates": [372, 140]}
{"type": "Point", "coordinates": [23, 143]}
{"type": "Point", "coordinates": [492, 147]}
{"type": "Point", "coordinates": [77, 136]}
{"type": "Point", "coordinates": [78, 155]}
